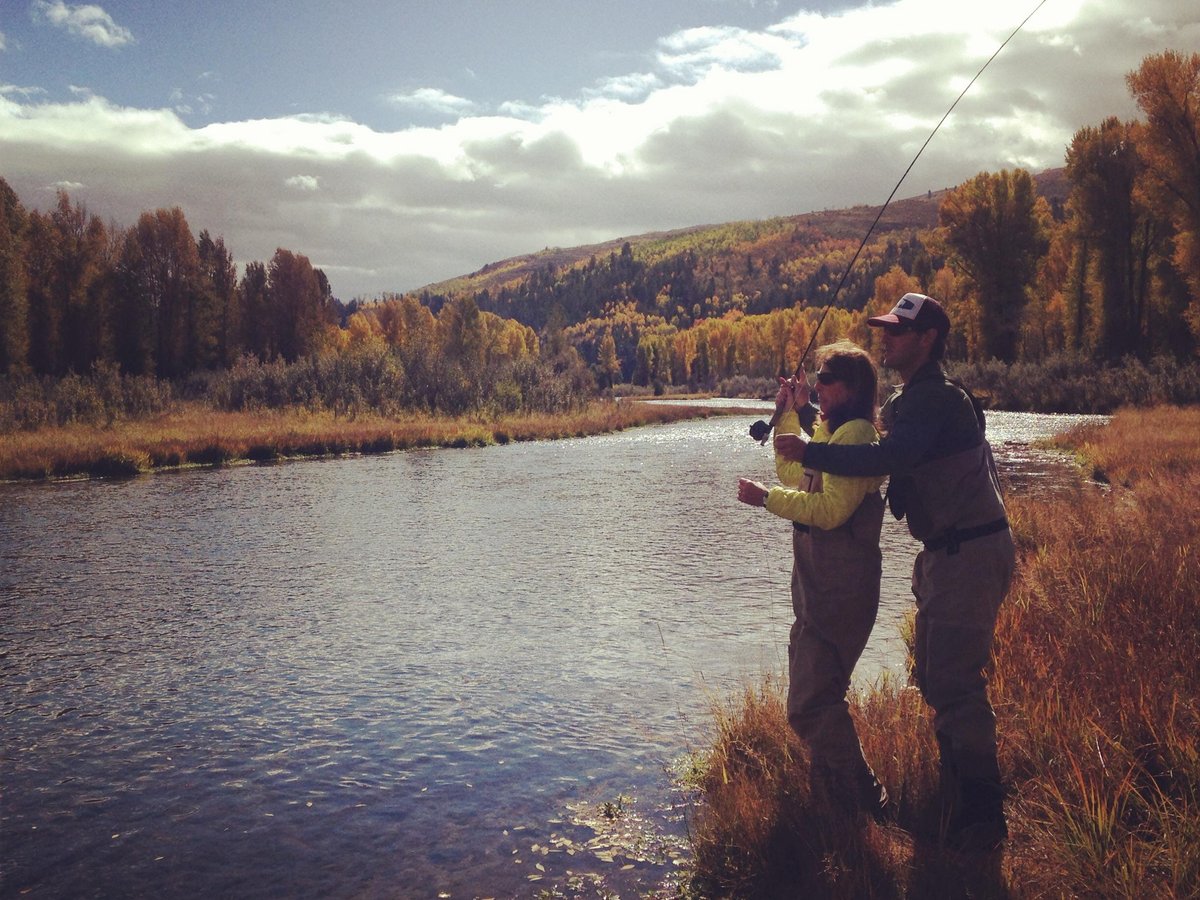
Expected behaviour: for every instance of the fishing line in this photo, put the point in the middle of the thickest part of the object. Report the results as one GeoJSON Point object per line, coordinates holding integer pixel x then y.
{"type": "Point", "coordinates": [761, 430]}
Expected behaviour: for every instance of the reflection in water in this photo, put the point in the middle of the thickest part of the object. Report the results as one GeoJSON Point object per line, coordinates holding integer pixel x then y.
{"type": "Point", "coordinates": [389, 675]}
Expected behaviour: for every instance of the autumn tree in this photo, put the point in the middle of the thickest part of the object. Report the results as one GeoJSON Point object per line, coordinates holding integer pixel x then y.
{"type": "Point", "coordinates": [996, 230]}
{"type": "Point", "coordinates": [954, 292]}
{"type": "Point", "coordinates": [69, 292]}
{"type": "Point", "coordinates": [159, 276]}
{"type": "Point", "coordinates": [219, 282]}
{"type": "Point", "coordinates": [14, 299]}
{"type": "Point", "coordinates": [683, 357]}
{"type": "Point", "coordinates": [460, 381]}
{"type": "Point", "coordinates": [507, 341]}
{"type": "Point", "coordinates": [460, 325]}
{"type": "Point", "coordinates": [1167, 90]}
{"type": "Point", "coordinates": [607, 362]}
{"type": "Point", "coordinates": [716, 354]}
{"type": "Point", "coordinates": [45, 309]}
{"type": "Point", "coordinates": [300, 304]}
{"type": "Point", "coordinates": [257, 335]}
{"type": "Point", "coordinates": [1044, 331]}
{"type": "Point", "coordinates": [890, 287]}
{"type": "Point", "coordinates": [652, 365]}
{"type": "Point", "coordinates": [1118, 230]}
{"type": "Point", "coordinates": [561, 378]}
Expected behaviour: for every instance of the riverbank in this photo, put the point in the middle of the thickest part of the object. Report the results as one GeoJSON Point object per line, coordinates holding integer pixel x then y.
{"type": "Point", "coordinates": [1094, 686]}
{"type": "Point", "coordinates": [195, 434]}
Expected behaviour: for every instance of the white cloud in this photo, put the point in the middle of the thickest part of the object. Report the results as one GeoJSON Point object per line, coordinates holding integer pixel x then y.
{"type": "Point", "coordinates": [629, 88]}
{"type": "Point", "coordinates": [433, 100]}
{"type": "Point", "coordinates": [820, 111]}
{"type": "Point", "coordinates": [26, 92]}
{"type": "Point", "coordinates": [690, 55]}
{"type": "Point", "coordinates": [89, 22]}
{"type": "Point", "coordinates": [186, 105]}
{"type": "Point", "coordinates": [304, 182]}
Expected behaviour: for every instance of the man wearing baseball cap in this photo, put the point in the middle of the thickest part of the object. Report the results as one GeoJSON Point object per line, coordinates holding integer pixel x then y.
{"type": "Point", "coordinates": [943, 481]}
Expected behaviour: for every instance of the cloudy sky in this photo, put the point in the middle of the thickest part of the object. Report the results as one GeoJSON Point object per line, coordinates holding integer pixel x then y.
{"type": "Point", "coordinates": [400, 142]}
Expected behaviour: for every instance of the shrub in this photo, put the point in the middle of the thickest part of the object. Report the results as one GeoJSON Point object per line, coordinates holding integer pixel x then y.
{"type": "Point", "coordinates": [1068, 383]}
{"type": "Point", "coordinates": [102, 397]}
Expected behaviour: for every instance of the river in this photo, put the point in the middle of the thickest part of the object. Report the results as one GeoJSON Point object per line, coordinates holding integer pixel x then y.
{"type": "Point", "coordinates": [425, 674]}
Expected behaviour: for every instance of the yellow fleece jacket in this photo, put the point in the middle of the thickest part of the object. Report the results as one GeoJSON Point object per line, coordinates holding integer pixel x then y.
{"type": "Point", "coordinates": [839, 495]}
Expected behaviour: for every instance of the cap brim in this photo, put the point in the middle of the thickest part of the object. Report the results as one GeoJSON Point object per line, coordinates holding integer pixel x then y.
{"type": "Point", "coordinates": [888, 319]}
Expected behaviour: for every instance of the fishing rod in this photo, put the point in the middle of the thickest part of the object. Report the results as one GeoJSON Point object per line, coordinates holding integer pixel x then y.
{"type": "Point", "coordinates": [761, 430]}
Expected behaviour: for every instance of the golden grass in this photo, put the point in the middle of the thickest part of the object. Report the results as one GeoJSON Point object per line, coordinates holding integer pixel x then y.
{"type": "Point", "coordinates": [1097, 694]}
{"type": "Point", "coordinates": [1097, 683]}
{"type": "Point", "coordinates": [198, 435]}
{"type": "Point", "coordinates": [1140, 444]}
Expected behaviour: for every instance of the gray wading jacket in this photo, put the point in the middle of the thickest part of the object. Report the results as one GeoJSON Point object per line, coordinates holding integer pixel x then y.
{"type": "Point", "coordinates": [943, 477]}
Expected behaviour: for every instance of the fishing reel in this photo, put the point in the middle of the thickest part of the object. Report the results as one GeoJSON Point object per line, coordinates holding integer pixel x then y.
{"type": "Point", "coordinates": [761, 430]}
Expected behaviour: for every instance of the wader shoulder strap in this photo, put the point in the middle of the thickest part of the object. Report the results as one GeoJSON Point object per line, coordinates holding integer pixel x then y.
{"type": "Point", "coordinates": [975, 404]}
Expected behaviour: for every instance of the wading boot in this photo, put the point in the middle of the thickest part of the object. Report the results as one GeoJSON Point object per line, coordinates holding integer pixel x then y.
{"type": "Point", "coordinates": [972, 805]}
{"type": "Point", "coordinates": [977, 823]}
{"type": "Point", "coordinates": [873, 799]}
{"type": "Point", "coordinates": [852, 793]}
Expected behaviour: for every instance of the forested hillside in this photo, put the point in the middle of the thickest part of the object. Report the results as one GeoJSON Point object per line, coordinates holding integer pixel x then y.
{"type": "Point", "coordinates": [662, 284]}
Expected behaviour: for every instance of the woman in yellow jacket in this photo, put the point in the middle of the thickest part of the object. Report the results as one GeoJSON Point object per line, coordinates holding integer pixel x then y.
{"type": "Point", "coordinates": [836, 572]}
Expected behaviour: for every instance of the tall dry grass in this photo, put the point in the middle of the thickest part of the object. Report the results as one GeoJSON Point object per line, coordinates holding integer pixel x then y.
{"type": "Point", "coordinates": [196, 434]}
{"type": "Point", "coordinates": [1097, 681]}
{"type": "Point", "coordinates": [1096, 686]}
{"type": "Point", "coordinates": [761, 833]}
{"type": "Point", "coordinates": [1139, 446]}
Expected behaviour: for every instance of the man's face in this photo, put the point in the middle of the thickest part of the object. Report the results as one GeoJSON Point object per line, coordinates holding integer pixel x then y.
{"type": "Point", "coordinates": [903, 348]}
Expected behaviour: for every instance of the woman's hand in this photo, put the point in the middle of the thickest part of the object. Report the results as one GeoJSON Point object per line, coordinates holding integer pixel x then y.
{"type": "Point", "coordinates": [785, 399]}
{"type": "Point", "coordinates": [752, 493]}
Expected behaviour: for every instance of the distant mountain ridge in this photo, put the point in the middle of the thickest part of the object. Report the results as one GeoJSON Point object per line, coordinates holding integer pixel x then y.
{"type": "Point", "coordinates": [909, 214]}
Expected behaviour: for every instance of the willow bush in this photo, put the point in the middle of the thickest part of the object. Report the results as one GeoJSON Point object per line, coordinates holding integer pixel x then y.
{"type": "Point", "coordinates": [105, 396]}
{"type": "Point", "coordinates": [1069, 383]}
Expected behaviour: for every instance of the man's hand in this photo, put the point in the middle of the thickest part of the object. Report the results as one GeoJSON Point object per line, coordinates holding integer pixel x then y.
{"type": "Point", "coordinates": [751, 492]}
{"type": "Point", "coordinates": [791, 446]}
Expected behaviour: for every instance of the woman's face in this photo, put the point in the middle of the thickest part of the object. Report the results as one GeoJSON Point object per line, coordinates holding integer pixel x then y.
{"type": "Point", "coordinates": [832, 392]}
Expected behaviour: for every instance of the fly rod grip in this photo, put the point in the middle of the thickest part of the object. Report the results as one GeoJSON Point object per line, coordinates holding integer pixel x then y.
{"type": "Point", "coordinates": [761, 430]}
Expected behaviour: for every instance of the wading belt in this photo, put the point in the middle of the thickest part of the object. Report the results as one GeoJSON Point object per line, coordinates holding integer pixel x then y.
{"type": "Point", "coordinates": [951, 539]}
{"type": "Point", "coordinates": [800, 527]}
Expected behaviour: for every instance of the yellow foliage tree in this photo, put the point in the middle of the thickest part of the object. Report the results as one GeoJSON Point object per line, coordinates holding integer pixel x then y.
{"type": "Point", "coordinates": [1167, 89]}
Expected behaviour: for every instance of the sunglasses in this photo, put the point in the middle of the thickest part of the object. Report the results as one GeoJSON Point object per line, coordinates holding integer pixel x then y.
{"type": "Point", "coordinates": [897, 329]}
{"type": "Point", "coordinates": [827, 378]}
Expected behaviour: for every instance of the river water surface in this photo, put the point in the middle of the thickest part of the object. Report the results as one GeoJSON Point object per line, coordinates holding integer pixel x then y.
{"type": "Point", "coordinates": [426, 674]}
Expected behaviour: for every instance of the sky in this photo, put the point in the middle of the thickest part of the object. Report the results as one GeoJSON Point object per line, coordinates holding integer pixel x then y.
{"type": "Point", "coordinates": [397, 143]}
